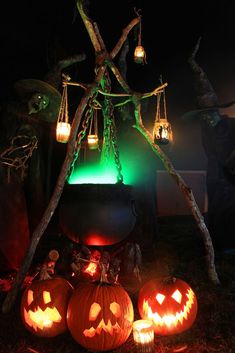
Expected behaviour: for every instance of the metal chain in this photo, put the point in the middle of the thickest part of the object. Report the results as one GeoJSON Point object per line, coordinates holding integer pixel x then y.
{"type": "Point", "coordinates": [116, 151]}
{"type": "Point", "coordinates": [106, 148]}
{"type": "Point", "coordinates": [80, 137]}
{"type": "Point", "coordinates": [110, 144]}
{"type": "Point", "coordinates": [109, 134]}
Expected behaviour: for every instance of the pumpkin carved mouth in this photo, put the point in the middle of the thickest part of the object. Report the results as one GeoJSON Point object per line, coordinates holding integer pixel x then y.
{"type": "Point", "coordinates": [40, 319]}
{"type": "Point", "coordinates": [44, 306]}
{"type": "Point", "coordinates": [100, 315]}
{"type": "Point", "coordinates": [108, 328]}
{"type": "Point", "coordinates": [171, 320]}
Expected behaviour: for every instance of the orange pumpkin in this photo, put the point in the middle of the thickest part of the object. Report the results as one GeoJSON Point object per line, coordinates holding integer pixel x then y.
{"type": "Point", "coordinates": [100, 315]}
{"type": "Point", "coordinates": [170, 304]}
{"type": "Point", "coordinates": [44, 306]}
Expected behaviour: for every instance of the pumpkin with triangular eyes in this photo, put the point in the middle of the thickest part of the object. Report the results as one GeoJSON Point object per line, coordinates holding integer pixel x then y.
{"type": "Point", "coordinates": [100, 315]}
{"type": "Point", "coordinates": [44, 306]}
{"type": "Point", "coordinates": [170, 304]}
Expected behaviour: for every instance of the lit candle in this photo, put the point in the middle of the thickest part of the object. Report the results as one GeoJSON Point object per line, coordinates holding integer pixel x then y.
{"type": "Point", "coordinates": [62, 132]}
{"type": "Point", "coordinates": [93, 142]}
{"type": "Point", "coordinates": [139, 55]}
{"type": "Point", "coordinates": [143, 334]}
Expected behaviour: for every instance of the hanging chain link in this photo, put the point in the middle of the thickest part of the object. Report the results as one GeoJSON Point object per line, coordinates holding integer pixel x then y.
{"type": "Point", "coordinates": [116, 151]}
{"type": "Point", "coordinates": [107, 147]}
{"type": "Point", "coordinates": [81, 135]}
{"type": "Point", "coordinates": [110, 133]}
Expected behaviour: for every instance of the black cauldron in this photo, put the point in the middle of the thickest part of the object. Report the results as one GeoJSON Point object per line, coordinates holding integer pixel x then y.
{"type": "Point", "coordinates": [97, 214]}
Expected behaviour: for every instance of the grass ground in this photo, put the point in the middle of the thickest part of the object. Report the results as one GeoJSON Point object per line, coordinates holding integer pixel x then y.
{"type": "Point", "coordinates": [180, 249]}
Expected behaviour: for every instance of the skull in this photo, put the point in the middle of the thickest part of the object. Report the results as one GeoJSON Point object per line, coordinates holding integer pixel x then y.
{"type": "Point", "coordinates": [37, 103]}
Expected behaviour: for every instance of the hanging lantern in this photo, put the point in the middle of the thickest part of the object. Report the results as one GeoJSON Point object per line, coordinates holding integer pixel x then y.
{"type": "Point", "coordinates": [92, 137]}
{"type": "Point", "coordinates": [162, 131]}
{"type": "Point", "coordinates": [139, 53]}
{"type": "Point", "coordinates": [63, 126]}
{"type": "Point", "coordinates": [93, 142]}
{"type": "Point", "coordinates": [62, 132]}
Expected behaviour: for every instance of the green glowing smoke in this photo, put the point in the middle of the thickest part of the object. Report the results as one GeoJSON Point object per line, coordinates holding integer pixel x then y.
{"type": "Point", "coordinates": [100, 174]}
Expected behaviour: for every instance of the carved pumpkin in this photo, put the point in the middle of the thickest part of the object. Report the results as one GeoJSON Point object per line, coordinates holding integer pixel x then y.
{"type": "Point", "coordinates": [100, 316]}
{"type": "Point", "coordinates": [170, 304]}
{"type": "Point", "coordinates": [44, 306]}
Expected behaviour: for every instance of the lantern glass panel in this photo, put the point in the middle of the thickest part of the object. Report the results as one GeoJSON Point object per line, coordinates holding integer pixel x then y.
{"type": "Point", "coordinates": [63, 132]}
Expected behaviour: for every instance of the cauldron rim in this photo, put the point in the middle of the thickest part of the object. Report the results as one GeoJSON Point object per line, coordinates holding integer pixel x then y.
{"type": "Point", "coordinates": [99, 184]}
{"type": "Point", "coordinates": [114, 190]}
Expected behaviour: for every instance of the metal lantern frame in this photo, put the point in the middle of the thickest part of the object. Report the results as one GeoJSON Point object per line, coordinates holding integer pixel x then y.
{"type": "Point", "coordinates": [139, 53]}
{"type": "Point", "coordinates": [63, 127]}
{"type": "Point", "coordinates": [93, 136]}
{"type": "Point", "coordinates": [162, 132]}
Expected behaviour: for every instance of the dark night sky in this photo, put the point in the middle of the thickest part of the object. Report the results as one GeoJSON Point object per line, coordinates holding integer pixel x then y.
{"type": "Point", "coordinates": [34, 35]}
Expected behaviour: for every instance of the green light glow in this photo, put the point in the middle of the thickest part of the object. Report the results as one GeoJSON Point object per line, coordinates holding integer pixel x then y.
{"type": "Point", "coordinates": [100, 174]}
{"type": "Point", "coordinates": [94, 174]}
{"type": "Point", "coordinates": [137, 162]}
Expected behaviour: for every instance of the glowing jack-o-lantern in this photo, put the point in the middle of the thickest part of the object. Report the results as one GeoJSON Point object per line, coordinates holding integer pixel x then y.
{"type": "Point", "coordinates": [44, 306]}
{"type": "Point", "coordinates": [100, 316]}
{"type": "Point", "coordinates": [170, 304]}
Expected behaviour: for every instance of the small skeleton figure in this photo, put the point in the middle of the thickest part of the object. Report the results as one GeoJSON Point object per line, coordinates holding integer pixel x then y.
{"type": "Point", "coordinates": [78, 258]}
{"type": "Point", "coordinates": [47, 269]}
{"type": "Point", "coordinates": [95, 255]}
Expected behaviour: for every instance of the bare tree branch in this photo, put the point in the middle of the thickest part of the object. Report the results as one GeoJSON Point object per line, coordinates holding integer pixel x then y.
{"type": "Point", "coordinates": [104, 61]}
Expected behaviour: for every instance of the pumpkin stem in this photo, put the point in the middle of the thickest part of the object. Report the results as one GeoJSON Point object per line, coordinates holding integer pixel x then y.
{"type": "Point", "coordinates": [169, 279]}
